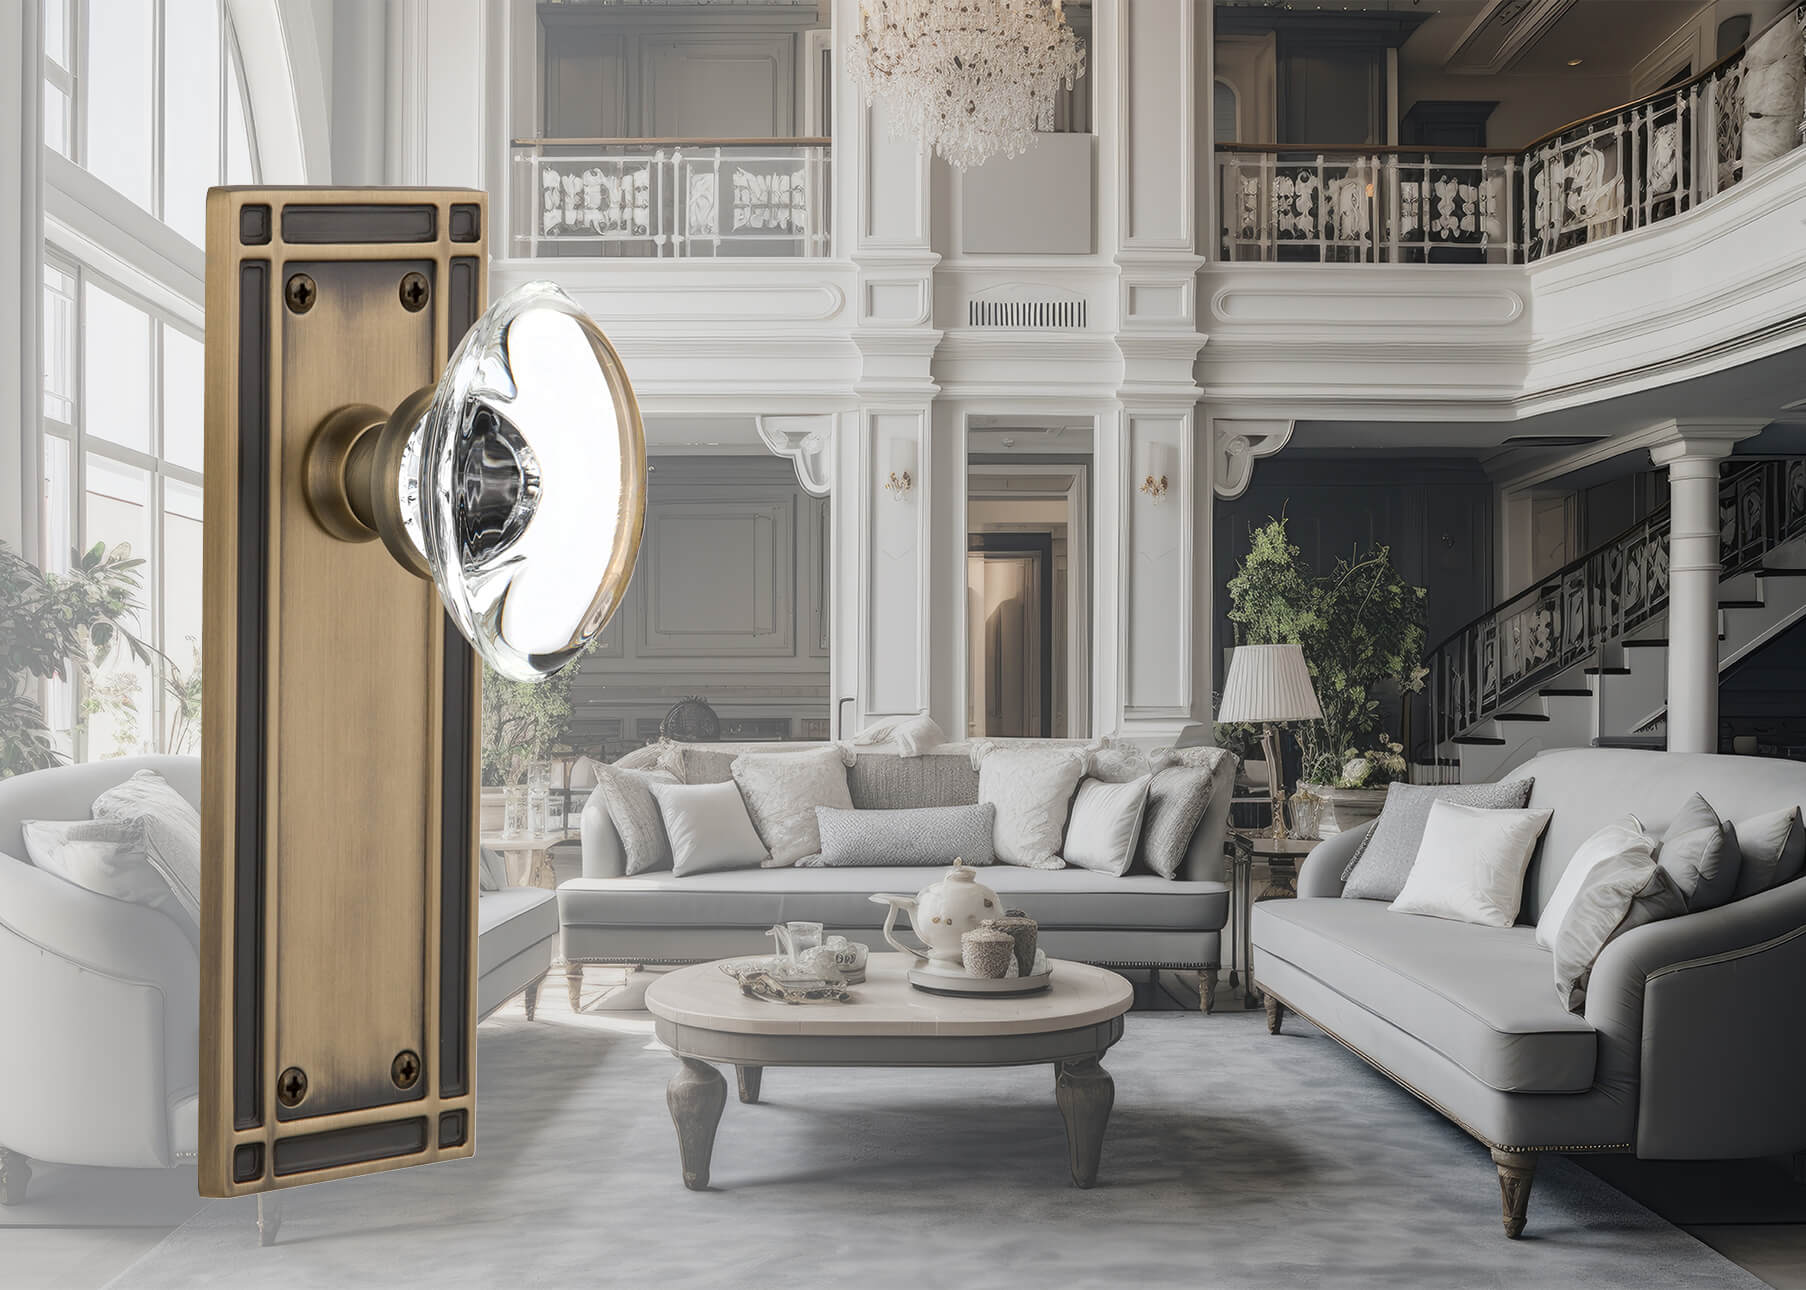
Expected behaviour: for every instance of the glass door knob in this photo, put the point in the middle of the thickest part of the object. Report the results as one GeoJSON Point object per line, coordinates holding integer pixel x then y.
{"type": "Point", "coordinates": [517, 484]}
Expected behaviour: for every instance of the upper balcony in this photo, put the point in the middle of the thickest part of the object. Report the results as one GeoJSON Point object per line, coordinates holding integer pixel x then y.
{"type": "Point", "coordinates": [671, 198]}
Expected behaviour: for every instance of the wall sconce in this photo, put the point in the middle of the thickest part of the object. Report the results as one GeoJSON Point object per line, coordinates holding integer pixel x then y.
{"type": "Point", "coordinates": [1153, 464]}
{"type": "Point", "coordinates": [902, 465]}
{"type": "Point", "coordinates": [356, 563]}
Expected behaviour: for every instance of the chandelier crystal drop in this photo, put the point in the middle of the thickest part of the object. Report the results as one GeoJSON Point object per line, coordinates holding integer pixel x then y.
{"type": "Point", "coordinates": [965, 78]}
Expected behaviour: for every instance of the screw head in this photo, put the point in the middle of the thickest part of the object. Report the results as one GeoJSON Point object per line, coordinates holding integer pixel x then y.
{"type": "Point", "coordinates": [291, 1086]}
{"type": "Point", "coordinates": [405, 1069]}
{"type": "Point", "coordinates": [414, 292]}
{"type": "Point", "coordinates": [300, 293]}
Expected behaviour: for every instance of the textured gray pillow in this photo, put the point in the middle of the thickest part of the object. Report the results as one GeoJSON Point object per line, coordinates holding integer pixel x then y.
{"type": "Point", "coordinates": [631, 809]}
{"type": "Point", "coordinates": [1384, 859]}
{"type": "Point", "coordinates": [1700, 853]}
{"type": "Point", "coordinates": [1619, 893]}
{"type": "Point", "coordinates": [492, 870]}
{"type": "Point", "coordinates": [1178, 797]}
{"type": "Point", "coordinates": [1774, 848]}
{"type": "Point", "coordinates": [925, 835]}
{"type": "Point", "coordinates": [172, 832]}
{"type": "Point", "coordinates": [109, 857]}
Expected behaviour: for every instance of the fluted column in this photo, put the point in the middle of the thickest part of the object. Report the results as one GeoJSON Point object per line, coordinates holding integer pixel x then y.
{"type": "Point", "coordinates": [1692, 451]}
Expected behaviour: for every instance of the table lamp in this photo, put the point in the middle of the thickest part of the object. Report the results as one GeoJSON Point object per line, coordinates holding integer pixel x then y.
{"type": "Point", "coordinates": [1269, 684]}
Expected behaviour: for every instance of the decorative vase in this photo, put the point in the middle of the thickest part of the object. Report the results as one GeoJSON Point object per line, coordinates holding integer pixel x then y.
{"type": "Point", "coordinates": [1344, 808]}
{"type": "Point", "coordinates": [1307, 814]}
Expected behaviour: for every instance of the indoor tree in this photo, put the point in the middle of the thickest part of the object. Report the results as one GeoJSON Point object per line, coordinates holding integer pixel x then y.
{"type": "Point", "coordinates": [1360, 625]}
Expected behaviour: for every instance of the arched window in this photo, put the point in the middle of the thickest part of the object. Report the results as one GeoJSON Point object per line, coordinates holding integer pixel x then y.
{"type": "Point", "coordinates": [145, 109]}
{"type": "Point", "coordinates": [1225, 110]}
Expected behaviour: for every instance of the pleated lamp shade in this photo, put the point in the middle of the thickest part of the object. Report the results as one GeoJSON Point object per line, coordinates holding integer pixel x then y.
{"type": "Point", "coordinates": [1268, 683]}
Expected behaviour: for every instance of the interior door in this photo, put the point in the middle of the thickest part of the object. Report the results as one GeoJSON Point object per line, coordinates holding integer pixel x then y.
{"type": "Point", "coordinates": [1009, 623]}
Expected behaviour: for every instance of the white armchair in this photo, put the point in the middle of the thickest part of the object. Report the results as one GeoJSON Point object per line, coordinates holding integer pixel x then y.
{"type": "Point", "coordinates": [99, 999]}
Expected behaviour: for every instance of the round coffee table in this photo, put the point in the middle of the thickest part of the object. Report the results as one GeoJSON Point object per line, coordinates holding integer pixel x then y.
{"type": "Point", "coordinates": [703, 1018]}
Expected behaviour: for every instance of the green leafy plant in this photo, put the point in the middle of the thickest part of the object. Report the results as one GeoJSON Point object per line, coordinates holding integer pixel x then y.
{"type": "Point", "coordinates": [1360, 624]}
{"type": "Point", "coordinates": [56, 625]}
{"type": "Point", "coordinates": [182, 701]}
{"type": "Point", "coordinates": [525, 721]}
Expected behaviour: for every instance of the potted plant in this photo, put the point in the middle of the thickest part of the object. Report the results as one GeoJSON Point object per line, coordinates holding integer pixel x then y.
{"type": "Point", "coordinates": [1361, 625]}
{"type": "Point", "coordinates": [50, 623]}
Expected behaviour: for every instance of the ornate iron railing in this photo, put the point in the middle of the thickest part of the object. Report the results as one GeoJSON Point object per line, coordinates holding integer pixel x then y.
{"type": "Point", "coordinates": [1607, 593]}
{"type": "Point", "coordinates": [1608, 174]}
{"type": "Point", "coordinates": [658, 198]}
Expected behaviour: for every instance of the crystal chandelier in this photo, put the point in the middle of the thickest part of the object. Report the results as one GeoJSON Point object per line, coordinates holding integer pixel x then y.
{"type": "Point", "coordinates": [966, 78]}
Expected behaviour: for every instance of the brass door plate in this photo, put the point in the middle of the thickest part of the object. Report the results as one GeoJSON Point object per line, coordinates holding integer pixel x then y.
{"type": "Point", "coordinates": [340, 754]}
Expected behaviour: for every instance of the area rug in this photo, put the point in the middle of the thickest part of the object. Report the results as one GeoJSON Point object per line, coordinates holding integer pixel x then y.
{"type": "Point", "coordinates": [1233, 1159]}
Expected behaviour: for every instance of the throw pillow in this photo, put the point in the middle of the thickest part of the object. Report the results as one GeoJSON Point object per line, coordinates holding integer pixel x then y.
{"type": "Point", "coordinates": [492, 870]}
{"type": "Point", "coordinates": [1178, 797]}
{"type": "Point", "coordinates": [1773, 847]}
{"type": "Point", "coordinates": [106, 857]}
{"type": "Point", "coordinates": [923, 835]}
{"type": "Point", "coordinates": [1382, 862]}
{"type": "Point", "coordinates": [1115, 763]}
{"type": "Point", "coordinates": [1619, 893]}
{"type": "Point", "coordinates": [1471, 867]}
{"type": "Point", "coordinates": [782, 790]}
{"type": "Point", "coordinates": [1106, 825]}
{"type": "Point", "coordinates": [1031, 789]}
{"type": "Point", "coordinates": [708, 827]}
{"type": "Point", "coordinates": [172, 832]}
{"type": "Point", "coordinates": [1619, 838]}
{"type": "Point", "coordinates": [1200, 757]}
{"type": "Point", "coordinates": [1700, 853]}
{"type": "Point", "coordinates": [912, 736]}
{"type": "Point", "coordinates": [631, 809]}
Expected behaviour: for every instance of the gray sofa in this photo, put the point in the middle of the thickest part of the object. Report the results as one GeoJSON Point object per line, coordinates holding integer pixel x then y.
{"type": "Point", "coordinates": [96, 984]}
{"type": "Point", "coordinates": [1694, 1031]}
{"type": "Point", "coordinates": [1139, 921]}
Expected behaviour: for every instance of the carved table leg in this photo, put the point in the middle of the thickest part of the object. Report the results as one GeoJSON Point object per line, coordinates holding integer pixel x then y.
{"type": "Point", "coordinates": [696, 1096]}
{"type": "Point", "coordinates": [1085, 1093]}
{"type": "Point", "coordinates": [15, 1173]}
{"type": "Point", "coordinates": [573, 980]}
{"type": "Point", "coordinates": [1207, 989]}
{"type": "Point", "coordinates": [748, 1078]}
{"type": "Point", "coordinates": [1276, 1014]}
{"type": "Point", "coordinates": [269, 1218]}
{"type": "Point", "coordinates": [530, 997]}
{"type": "Point", "coordinates": [1517, 1170]}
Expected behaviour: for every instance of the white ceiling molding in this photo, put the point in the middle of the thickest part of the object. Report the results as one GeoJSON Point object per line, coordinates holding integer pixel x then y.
{"type": "Point", "coordinates": [808, 441]}
{"type": "Point", "coordinates": [1237, 445]}
{"type": "Point", "coordinates": [1501, 34]}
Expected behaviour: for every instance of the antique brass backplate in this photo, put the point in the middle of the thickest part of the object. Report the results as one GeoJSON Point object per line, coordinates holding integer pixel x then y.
{"type": "Point", "coordinates": [340, 757]}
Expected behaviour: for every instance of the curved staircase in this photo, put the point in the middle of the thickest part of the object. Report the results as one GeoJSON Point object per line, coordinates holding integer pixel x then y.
{"type": "Point", "coordinates": [1581, 658]}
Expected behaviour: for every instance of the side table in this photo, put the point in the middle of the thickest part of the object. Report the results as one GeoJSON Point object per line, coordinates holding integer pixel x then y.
{"type": "Point", "coordinates": [1282, 857]}
{"type": "Point", "coordinates": [528, 857]}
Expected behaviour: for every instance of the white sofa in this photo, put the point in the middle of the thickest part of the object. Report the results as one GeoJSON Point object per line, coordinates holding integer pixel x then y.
{"type": "Point", "coordinates": [89, 984]}
{"type": "Point", "coordinates": [1140, 921]}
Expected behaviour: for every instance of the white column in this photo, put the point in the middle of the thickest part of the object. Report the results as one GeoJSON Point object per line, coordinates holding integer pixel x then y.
{"type": "Point", "coordinates": [21, 253]}
{"type": "Point", "coordinates": [1158, 549]}
{"type": "Point", "coordinates": [1692, 450]}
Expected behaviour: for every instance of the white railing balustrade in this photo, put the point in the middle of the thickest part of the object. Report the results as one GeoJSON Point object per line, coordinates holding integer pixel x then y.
{"type": "Point", "coordinates": [659, 198]}
{"type": "Point", "coordinates": [1608, 174]}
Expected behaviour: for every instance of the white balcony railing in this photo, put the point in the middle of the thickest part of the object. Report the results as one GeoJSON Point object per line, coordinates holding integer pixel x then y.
{"type": "Point", "coordinates": [654, 198]}
{"type": "Point", "coordinates": [1599, 177]}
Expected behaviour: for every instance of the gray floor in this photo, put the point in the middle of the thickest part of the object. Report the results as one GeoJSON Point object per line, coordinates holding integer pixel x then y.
{"type": "Point", "coordinates": [1254, 1194]}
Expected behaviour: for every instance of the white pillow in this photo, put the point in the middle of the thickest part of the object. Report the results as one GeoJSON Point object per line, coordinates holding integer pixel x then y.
{"type": "Point", "coordinates": [1106, 824]}
{"type": "Point", "coordinates": [781, 792]}
{"type": "Point", "coordinates": [912, 736]}
{"type": "Point", "coordinates": [1621, 839]}
{"type": "Point", "coordinates": [1470, 865]}
{"type": "Point", "coordinates": [1031, 789]}
{"type": "Point", "coordinates": [172, 831]}
{"type": "Point", "coordinates": [107, 857]}
{"type": "Point", "coordinates": [708, 827]}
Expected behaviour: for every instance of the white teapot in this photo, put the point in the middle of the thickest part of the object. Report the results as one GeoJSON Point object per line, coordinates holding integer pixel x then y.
{"type": "Point", "coordinates": [940, 914]}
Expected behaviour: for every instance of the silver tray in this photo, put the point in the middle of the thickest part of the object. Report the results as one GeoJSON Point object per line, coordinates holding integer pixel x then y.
{"type": "Point", "coordinates": [979, 986]}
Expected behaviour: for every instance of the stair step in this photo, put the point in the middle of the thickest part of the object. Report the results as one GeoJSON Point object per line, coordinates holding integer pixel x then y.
{"type": "Point", "coordinates": [1781, 573]}
{"type": "Point", "coordinates": [1608, 671]}
{"type": "Point", "coordinates": [1648, 642]}
{"type": "Point", "coordinates": [1480, 741]}
{"type": "Point", "coordinates": [1520, 716]}
{"type": "Point", "coordinates": [1657, 742]}
{"type": "Point", "coordinates": [1742, 604]}
{"type": "Point", "coordinates": [1565, 694]}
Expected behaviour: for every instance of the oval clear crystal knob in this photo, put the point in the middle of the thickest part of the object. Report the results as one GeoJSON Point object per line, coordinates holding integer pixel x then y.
{"type": "Point", "coordinates": [518, 483]}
